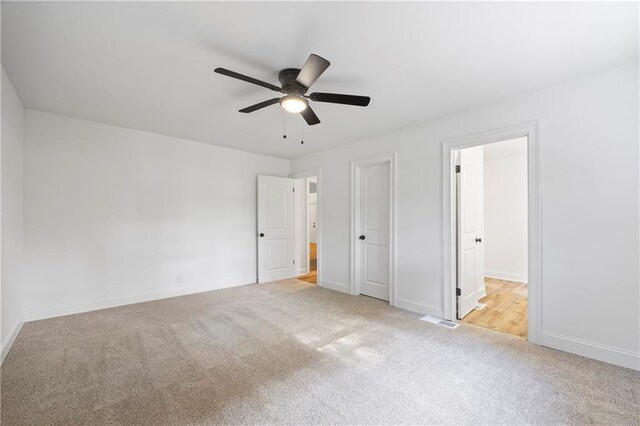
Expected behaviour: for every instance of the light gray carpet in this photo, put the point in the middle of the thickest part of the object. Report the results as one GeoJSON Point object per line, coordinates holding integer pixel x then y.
{"type": "Point", "coordinates": [290, 352]}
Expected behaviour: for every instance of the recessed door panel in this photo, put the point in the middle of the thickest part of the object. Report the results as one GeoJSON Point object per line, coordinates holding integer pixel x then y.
{"type": "Point", "coordinates": [377, 197]}
{"type": "Point", "coordinates": [277, 194]}
{"type": "Point", "coordinates": [277, 257]}
{"type": "Point", "coordinates": [377, 272]}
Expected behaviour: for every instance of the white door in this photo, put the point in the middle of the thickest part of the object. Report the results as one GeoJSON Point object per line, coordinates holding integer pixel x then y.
{"type": "Point", "coordinates": [470, 215]}
{"type": "Point", "coordinates": [275, 228]}
{"type": "Point", "coordinates": [313, 223]}
{"type": "Point", "coordinates": [373, 244]}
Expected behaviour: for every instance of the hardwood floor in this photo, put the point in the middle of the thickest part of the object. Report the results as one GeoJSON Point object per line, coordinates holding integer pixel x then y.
{"type": "Point", "coordinates": [506, 309]}
{"type": "Point", "coordinates": [313, 251]}
{"type": "Point", "coordinates": [312, 276]}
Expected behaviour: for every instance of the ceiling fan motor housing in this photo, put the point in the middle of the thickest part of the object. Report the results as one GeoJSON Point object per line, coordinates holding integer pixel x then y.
{"type": "Point", "coordinates": [287, 78]}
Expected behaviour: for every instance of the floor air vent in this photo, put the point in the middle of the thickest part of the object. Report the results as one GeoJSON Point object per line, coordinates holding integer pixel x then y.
{"type": "Point", "coordinates": [439, 321]}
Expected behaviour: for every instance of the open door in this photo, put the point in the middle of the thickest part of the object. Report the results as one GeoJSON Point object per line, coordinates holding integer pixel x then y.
{"type": "Point", "coordinates": [470, 215]}
{"type": "Point", "coordinates": [275, 229]}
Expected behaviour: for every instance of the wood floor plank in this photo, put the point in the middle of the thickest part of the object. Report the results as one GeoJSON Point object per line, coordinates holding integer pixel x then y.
{"type": "Point", "coordinates": [506, 309]}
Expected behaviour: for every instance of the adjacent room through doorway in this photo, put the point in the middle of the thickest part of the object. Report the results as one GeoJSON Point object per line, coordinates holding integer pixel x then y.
{"type": "Point", "coordinates": [492, 228]}
{"type": "Point", "coordinates": [306, 204]}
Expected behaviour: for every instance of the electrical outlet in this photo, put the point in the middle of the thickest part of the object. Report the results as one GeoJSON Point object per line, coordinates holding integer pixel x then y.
{"type": "Point", "coordinates": [180, 279]}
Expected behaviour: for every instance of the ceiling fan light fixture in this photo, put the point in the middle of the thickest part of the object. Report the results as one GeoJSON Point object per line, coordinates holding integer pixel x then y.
{"type": "Point", "coordinates": [293, 104]}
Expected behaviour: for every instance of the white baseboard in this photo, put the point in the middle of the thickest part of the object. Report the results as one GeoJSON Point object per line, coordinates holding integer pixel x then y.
{"type": "Point", "coordinates": [616, 356]}
{"type": "Point", "coordinates": [331, 285]}
{"type": "Point", "coordinates": [434, 311]}
{"type": "Point", "coordinates": [58, 311]}
{"type": "Point", "coordinates": [482, 292]}
{"type": "Point", "coordinates": [506, 276]}
{"type": "Point", "coordinates": [6, 345]}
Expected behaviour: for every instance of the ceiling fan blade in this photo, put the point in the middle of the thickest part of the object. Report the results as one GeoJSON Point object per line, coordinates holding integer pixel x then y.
{"type": "Point", "coordinates": [336, 98]}
{"type": "Point", "coordinates": [260, 105]}
{"type": "Point", "coordinates": [309, 116]}
{"type": "Point", "coordinates": [248, 79]}
{"type": "Point", "coordinates": [311, 70]}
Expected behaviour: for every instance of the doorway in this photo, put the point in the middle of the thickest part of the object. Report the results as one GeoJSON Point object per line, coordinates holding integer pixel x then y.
{"type": "Point", "coordinates": [491, 212]}
{"type": "Point", "coordinates": [477, 286]}
{"type": "Point", "coordinates": [307, 228]}
{"type": "Point", "coordinates": [288, 228]}
{"type": "Point", "coordinates": [373, 227]}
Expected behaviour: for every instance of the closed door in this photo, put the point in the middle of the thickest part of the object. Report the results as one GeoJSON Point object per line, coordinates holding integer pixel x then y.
{"type": "Point", "coordinates": [275, 228]}
{"type": "Point", "coordinates": [373, 244]}
{"type": "Point", "coordinates": [470, 215]}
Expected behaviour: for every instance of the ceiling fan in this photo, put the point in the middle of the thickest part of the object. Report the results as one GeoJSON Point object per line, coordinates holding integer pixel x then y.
{"type": "Point", "coordinates": [294, 84]}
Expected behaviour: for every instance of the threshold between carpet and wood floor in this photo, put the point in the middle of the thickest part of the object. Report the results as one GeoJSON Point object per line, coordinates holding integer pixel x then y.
{"type": "Point", "coordinates": [292, 352]}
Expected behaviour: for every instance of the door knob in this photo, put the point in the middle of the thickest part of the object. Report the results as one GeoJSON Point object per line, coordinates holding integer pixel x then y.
{"type": "Point", "coordinates": [362, 237]}
{"type": "Point", "coordinates": [262, 234]}
{"type": "Point", "coordinates": [478, 240]}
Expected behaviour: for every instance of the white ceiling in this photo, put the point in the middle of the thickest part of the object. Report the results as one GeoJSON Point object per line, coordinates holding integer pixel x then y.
{"type": "Point", "coordinates": [149, 65]}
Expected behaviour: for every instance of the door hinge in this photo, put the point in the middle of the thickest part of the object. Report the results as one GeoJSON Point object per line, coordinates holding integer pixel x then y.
{"type": "Point", "coordinates": [294, 190]}
{"type": "Point", "coordinates": [458, 292]}
{"type": "Point", "coordinates": [457, 169]}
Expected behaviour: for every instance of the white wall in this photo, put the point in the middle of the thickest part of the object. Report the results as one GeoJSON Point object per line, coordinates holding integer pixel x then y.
{"type": "Point", "coordinates": [589, 184]}
{"type": "Point", "coordinates": [114, 215]}
{"type": "Point", "coordinates": [12, 200]}
{"type": "Point", "coordinates": [505, 210]}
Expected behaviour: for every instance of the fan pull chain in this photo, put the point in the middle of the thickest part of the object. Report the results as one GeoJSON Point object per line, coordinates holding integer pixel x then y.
{"type": "Point", "coordinates": [301, 132]}
{"type": "Point", "coordinates": [284, 126]}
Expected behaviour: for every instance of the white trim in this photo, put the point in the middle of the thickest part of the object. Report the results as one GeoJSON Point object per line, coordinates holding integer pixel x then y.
{"type": "Point", "coordinates": [529, 130]}
{"type": "Point", "coordinates": [617, 356]}
{"type": "Point", "coordinates": [332, 285]}
{"type": "Point", "coordinates": [434, 311]}
{"type": "Point", "coordinates": [482, 292]}
{"type": "Point", "coordinates": [113, 302]}
{"type": "Point", "coordinates": [518, 278]}
{"type": "Point", "coordinates": [356, 165]}
{"type": "Point", "coordinates": [6, 346]}
{"type": "Point", "coordinates": [318, 174]}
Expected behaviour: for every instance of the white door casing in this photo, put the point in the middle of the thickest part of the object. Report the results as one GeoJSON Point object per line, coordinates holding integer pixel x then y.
{"type": "Point", "coordinates": [470, 223]}
{"type": "Point", "coordinates": [530, 130]}
{"type": "Point", "coordinates": [275, 228]}
{"type": "Point", "coordinates": [374, 231]}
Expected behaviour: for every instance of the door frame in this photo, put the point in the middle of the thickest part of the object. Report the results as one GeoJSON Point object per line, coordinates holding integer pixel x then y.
{"type": "Point", "coordinates": [534, 210]}
{"type": "Point", "coordinates": [307, 174]}
{"type": "Point", "coordinates": [356, 166]}
{"type": "Point", "coordinates": [307, 226]}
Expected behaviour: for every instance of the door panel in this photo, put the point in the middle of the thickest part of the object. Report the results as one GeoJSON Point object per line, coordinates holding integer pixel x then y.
{"type": "Point", "coordinates": [276, 225]}
{"type": "Point", "coordinates": [313, 223]}
{"type": "Point", "coordinates": [373, 252]}
{"type": "Point", "coordinates": [380, 274]}
{"type": "Point", "coordinates": [470, 222]}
